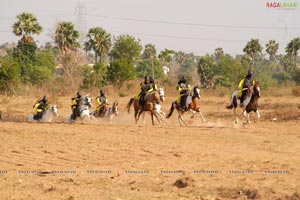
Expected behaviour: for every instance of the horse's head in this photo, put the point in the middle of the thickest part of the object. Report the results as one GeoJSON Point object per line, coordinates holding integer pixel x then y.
{"type": "Point", "coordinates": [54, 110]}
{"type": "Point", "coordinates": [161, 93]}
{"type": "Point", "coordinates": [155, 97]}
{"type": "Point", "coordinates": [196, 92]}
{"type": "Point", "coordinates": [115, 109]}
{"type": "Point", "coordinates": [256, 89]}
{"type": "Point", "coordinates": [88, 100]}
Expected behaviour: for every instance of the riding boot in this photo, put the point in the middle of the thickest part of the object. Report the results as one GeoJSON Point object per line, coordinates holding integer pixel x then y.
{"type": "Point", "coordinates": [39, 115]}
{"type": "Point", "coordinates": [182, 103]}
{"type": "Point", "coordinates": [141, 100]}
{"type": "Point", "coordinates": [242, 98]}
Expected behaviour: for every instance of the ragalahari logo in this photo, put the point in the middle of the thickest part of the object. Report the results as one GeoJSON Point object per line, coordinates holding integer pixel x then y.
{"type": "Point", "coordinates": [282, 5]}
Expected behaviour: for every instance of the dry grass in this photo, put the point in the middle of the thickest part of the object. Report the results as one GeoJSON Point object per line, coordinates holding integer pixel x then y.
{"type": "Point", "coordinates": [296, 91]}
{"type": "Point", "coordinates": [217, 144]}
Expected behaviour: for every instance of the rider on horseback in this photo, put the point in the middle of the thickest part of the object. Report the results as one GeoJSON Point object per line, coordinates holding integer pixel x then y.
{"type": "Point", "coordinates": [75, 103]}
{"type": "Point", "coordinates": [183, 88]}
{"type": "Point", "coordinates": [102, 102]}
{"type": "Point", "coordinates": [146, 87]}
{"type": "Point", "coordinates": [40, 107]}
{"type": "Point", "coordinates": [243, 86]}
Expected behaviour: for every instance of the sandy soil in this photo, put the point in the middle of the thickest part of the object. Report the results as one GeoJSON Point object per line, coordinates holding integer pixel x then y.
{"type": "Point", "coordinates": [120, 161]}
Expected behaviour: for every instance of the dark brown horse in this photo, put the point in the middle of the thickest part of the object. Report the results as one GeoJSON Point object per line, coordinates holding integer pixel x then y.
{"type": "Point", "coordinates": [151, 99]}
{"type": "Point", "coordinates": [191, 102]}
{"type": "Point", "coordinates": [250, 103]}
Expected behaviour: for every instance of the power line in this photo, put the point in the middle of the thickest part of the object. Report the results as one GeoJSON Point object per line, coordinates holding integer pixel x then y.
{"type": "Point", "coordinates": [196, 24]}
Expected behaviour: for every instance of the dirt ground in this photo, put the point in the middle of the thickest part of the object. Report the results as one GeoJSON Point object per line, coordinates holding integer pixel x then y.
{"type": "Point", "coordinates": [123, 161]}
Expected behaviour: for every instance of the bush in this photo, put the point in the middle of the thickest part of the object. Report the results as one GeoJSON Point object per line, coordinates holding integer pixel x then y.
{"type": "Point", "coordinates": [296, 91]}
{"type": "Point", "coordinates": [122, 94]}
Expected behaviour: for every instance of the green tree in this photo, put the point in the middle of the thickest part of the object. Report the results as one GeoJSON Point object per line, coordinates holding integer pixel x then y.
{"type": "Point", "coordinates": [126, 47]}
{"type": "Point", "coordinates": [43, 69]}
{"type": "Point", "coordinates": [25, 53]}
{"type": "Point", "coordinates": [180, 57]}
{"type": "Point", "coordinates": [150, 66]}
{"type": "Point", "coordinates": [229, 71]}
{"type": "Point", "coordinates": [66, 37]}
{"type": "Point", "coordinates": [9, 74]}
{"type": "Point", "coordinates": [88, 77]}
{"type": "Point", "coordinates": [252, 49]}
{"type": "Point", "coordinates": [119, 71]}
{"type": "Point", "coordinates": [26, 26]}
{"type": "Point", "coordinates": [206, 67]}
{"type": "Point", "coordinates": [271, 49]}
{"type": "Point", "coordinates": [219, 53]}
{"type": "Point", "coordinates": [292, 49]}
{"type": "Point", "coordinates": [166, 56]}
{"type": "Point", "coordinates": [149, 51]}
{"type": "Point", "coordinates": [99, 41]}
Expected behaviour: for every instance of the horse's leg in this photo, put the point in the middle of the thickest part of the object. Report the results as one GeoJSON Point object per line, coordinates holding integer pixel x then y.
{"type": "Point", "coordinates": [139, 114]}
{"type": "Point", "coordinates": [135, 116]}
{"type": "Point", "coordinates": [236, 119]}
{"type": "Point", "coordinates": [193, 112]}
{"type": "Point", "coordinates": [201, 115]}
{"type": "Point", "coordinates": [257, 116]}
{"type": "Point", "coordinates": [156, 115]}
{"type": "Point", "coordinates": [246, 115]}
{"type": "Point", "coordinates": [180, 118]}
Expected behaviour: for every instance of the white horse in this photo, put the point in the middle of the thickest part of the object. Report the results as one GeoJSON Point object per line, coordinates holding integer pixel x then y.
{"type": "Point", "coordinates": [47, 115]}
{"type": "Point", "coordinates": [109, 113]}
{"type": "Point", "coordinates": [83, 109]}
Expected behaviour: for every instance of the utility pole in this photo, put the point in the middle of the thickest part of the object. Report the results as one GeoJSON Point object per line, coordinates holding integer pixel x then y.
{"type": "Point", "coordinates": [81, 23]}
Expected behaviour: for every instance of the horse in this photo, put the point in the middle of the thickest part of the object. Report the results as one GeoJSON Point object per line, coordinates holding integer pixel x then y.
{"type": "Point", "coordinates": [109, 112]}
{"type": "Point", "coordinates": [150, 100]}
{"type": "Point", "coordinates": [250, 103]}
{"type": "Point", "coordinates": [158, 110]}
{"type": "Point", "coordinates": [157, 106]}
{"type": "Point", "coordinates": [191, 104]}
{"type": "Point", "coordinates": [82, 110]}
{"type": "Point", "coordinates": [47, 115]}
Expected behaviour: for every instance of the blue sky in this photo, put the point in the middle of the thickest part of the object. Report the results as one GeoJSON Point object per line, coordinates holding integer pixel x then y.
{"type": "Point", "coordinates": [192, 25]}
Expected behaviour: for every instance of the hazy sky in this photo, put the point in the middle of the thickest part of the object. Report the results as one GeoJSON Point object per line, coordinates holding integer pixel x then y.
{"type": "Point", "coordinates": [190, 25]}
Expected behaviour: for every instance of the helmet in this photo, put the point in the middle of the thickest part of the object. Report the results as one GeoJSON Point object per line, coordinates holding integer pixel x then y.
{"type": "Point", "coordinates": [45, 99]}
{"type": "Point", "coordinates": [147, 78]}
{"type": "Point", "coordinates": [183, 79]}
{"type": "Point", "coordinates": [102, 93]}
{"type": "Point", "coordinates": [79, 95]}
{"type": "Point", "coordinates": [250, 73]}
{"type": "Point", "coordinates": [151, 79]}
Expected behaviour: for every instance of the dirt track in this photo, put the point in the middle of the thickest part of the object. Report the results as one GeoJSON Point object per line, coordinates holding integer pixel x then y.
{"type": "Point", "coordinates": [213, 160]}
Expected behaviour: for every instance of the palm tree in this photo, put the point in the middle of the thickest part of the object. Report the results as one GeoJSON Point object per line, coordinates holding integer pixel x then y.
{"type": "Point", "coordinates": [66, 37]}
{"type": "Point", "coordinates": [26, 25]}
{"type": "Point", "coordinates": [252, 49]}
{"type": "Point", "coordinates": [292, 49]}
{"type": "Point", "coordinates": [99, 41]}
{"type": "Point", "coordinates": [271, 49]}
{"type": "Point", "coordinates": [149, 51]}
{"type": "Point", "coordinates": [180, 57]}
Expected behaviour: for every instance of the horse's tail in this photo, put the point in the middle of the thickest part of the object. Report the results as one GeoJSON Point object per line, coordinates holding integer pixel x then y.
{"type": "Point", "coordinates": [232, 103]}
{"type": "Point", "coordinates": [171, 110]}
{"type": "Point", "coordinates": [131, 101]}
{"type": "Point", "coordinates": [230, 106]}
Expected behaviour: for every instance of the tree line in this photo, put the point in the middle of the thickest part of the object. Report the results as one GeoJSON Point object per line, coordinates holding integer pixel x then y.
{"type": "Point", "coordinates": [64, 62]}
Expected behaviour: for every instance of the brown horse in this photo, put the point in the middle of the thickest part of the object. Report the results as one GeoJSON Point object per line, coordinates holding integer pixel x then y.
{"type": "Point", "coordinates": [192, 106]}
{"type": "Point", "coordinates": [151, 99]}
{"type": "Point", "coordinates": [250, 103]}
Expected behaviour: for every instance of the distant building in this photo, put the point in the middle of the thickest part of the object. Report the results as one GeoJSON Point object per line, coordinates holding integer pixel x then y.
{"type": "Point", "coordinates": [166, 70]}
